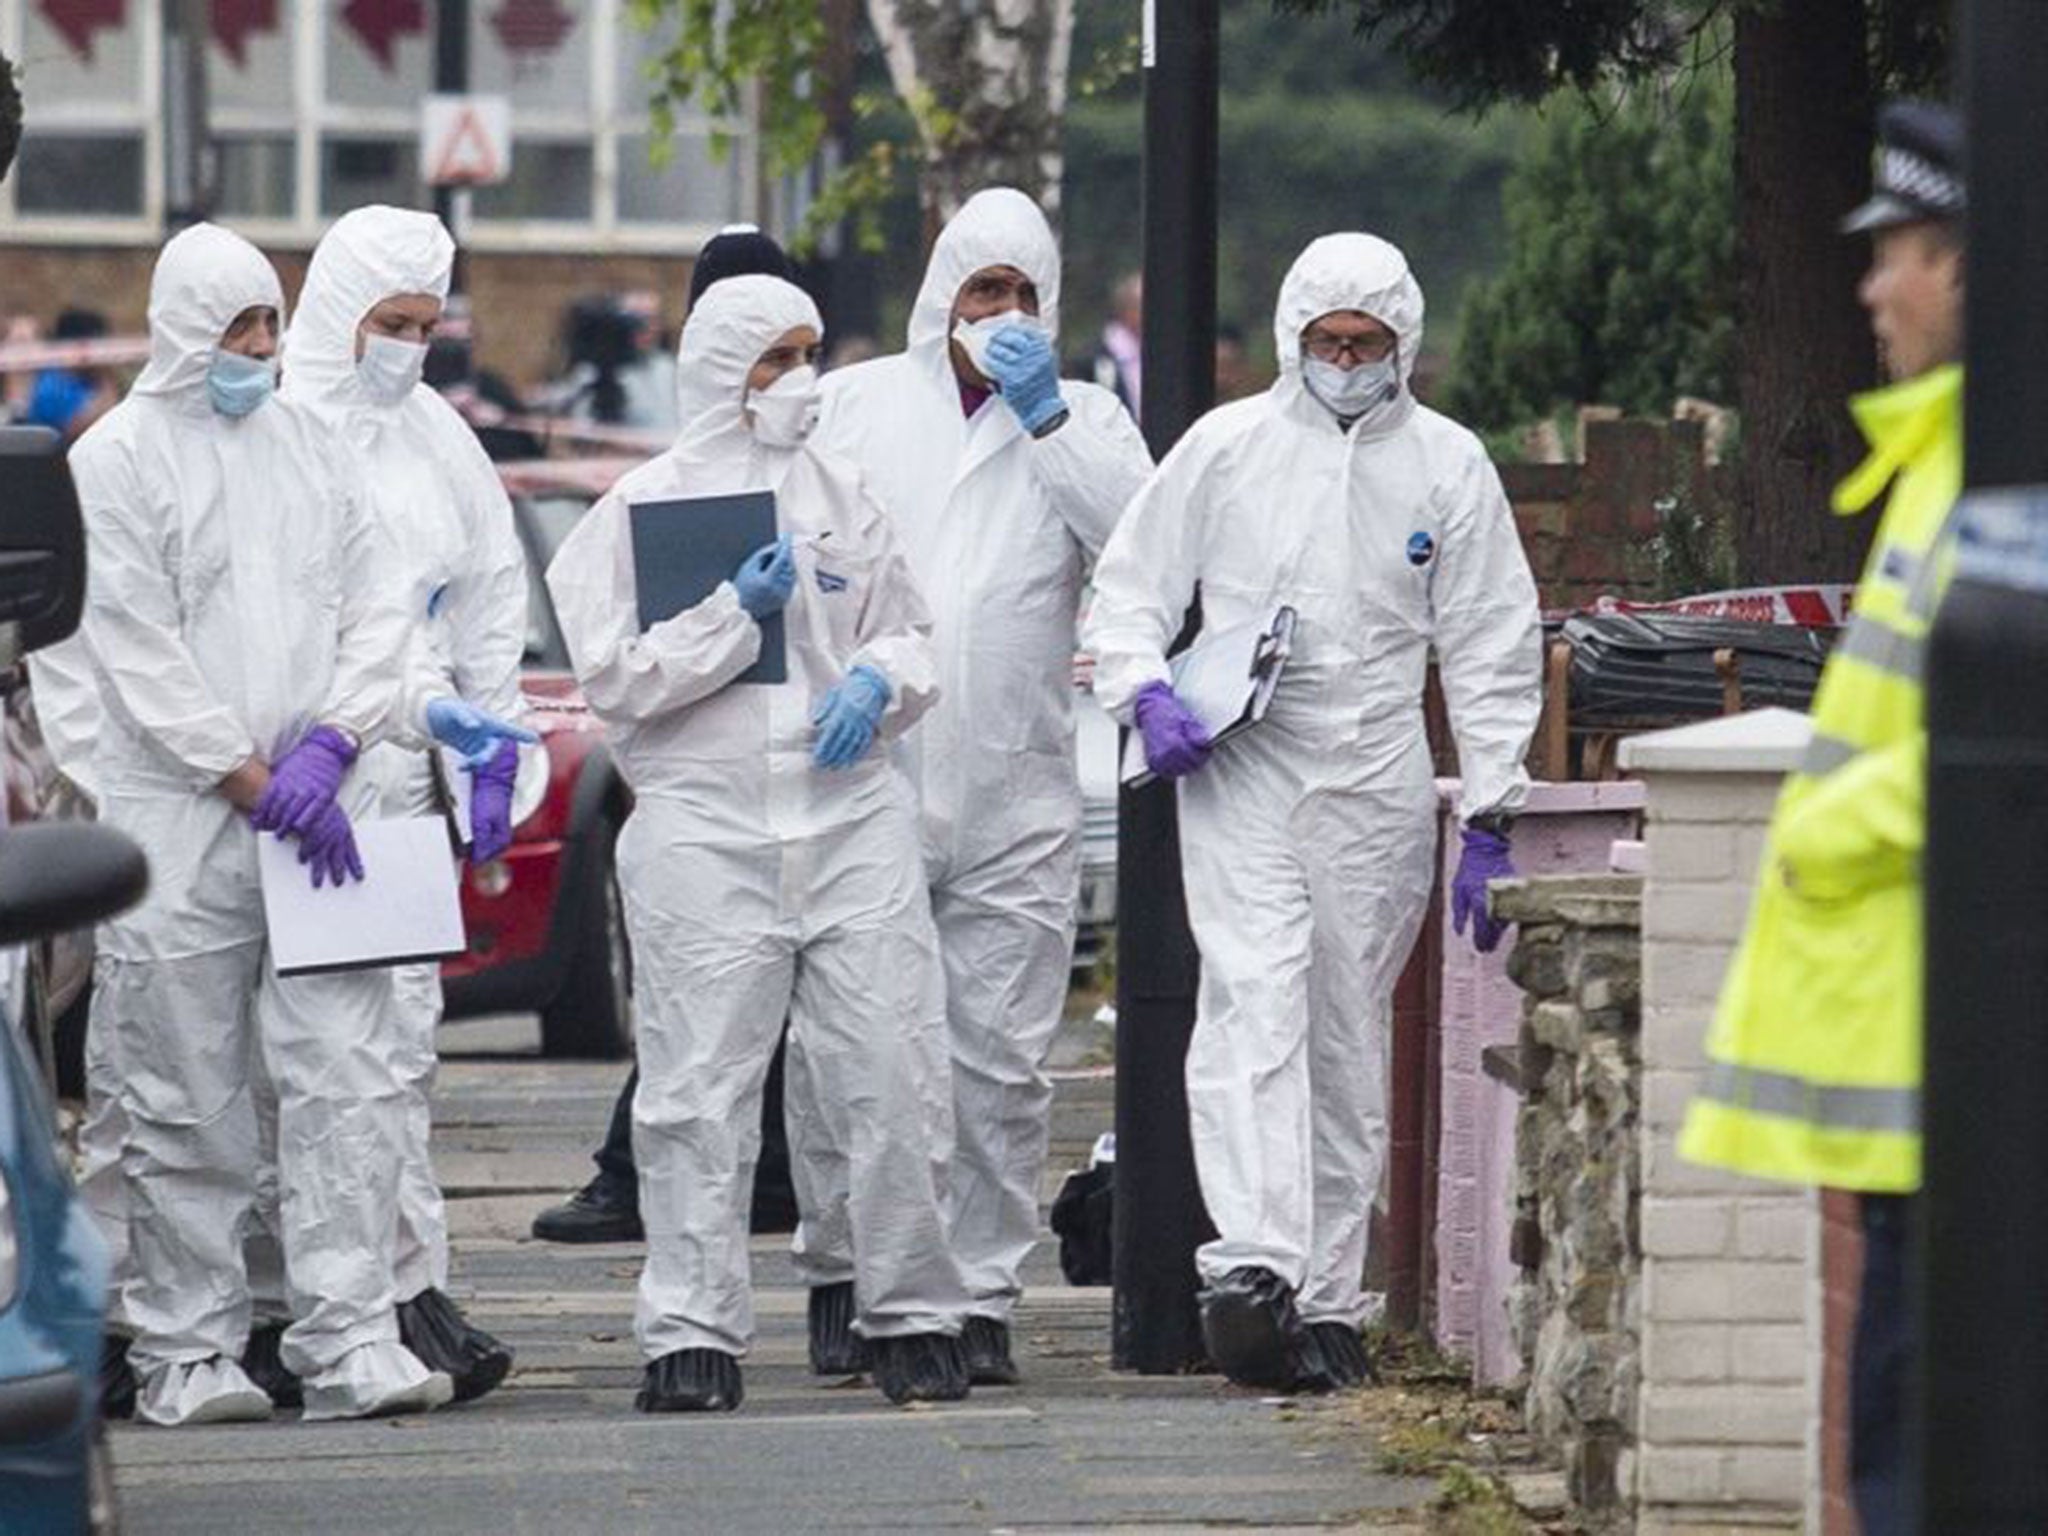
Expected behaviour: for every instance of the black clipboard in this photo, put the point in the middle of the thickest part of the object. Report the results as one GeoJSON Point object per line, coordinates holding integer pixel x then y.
{"type": "Point", "coordinates": [682, 550]}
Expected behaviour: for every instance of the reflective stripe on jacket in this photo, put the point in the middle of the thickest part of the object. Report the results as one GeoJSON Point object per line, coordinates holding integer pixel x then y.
{"type": "Point", "coordinates": [1813, 1072]}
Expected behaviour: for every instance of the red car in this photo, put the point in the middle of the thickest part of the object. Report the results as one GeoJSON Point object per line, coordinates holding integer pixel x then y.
{"type": "Point", "coordinates": [546, 929]}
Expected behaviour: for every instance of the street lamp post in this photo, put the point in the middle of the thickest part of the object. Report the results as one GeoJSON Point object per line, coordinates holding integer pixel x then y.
{"type": "Point", "coordinates": [1160, 1218]}
{"type": "Point", "coordinates": [451, 78]}
{"type": "Point", "coordinates": [1982, 1403]}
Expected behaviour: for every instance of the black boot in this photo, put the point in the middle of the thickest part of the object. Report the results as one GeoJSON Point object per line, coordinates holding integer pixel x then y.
{"type": "Point", "coordinates": [117, 1378]}
{"type": "Point", "coordinates": [602, 1211]}
{"type": "Point", "coordinates": [920, 1368]}
{"type": "Point", "coordinates": [1256, 1337]}
{"type": "Point", "coordinates": [1344, 1355]}
{"type": "Point", "coordinates": [691, 1381]}
{"type": "Point", "coordinates": [986, 1344]}
{"type": "Point", "coordinates": [836, 1350]}
{"type": "Point", "coordinates": [263, 1360]}
{"type": "Point", "coordinates": [433, 1327]}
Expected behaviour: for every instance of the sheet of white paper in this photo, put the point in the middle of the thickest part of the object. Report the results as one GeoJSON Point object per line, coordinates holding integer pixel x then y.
{"type": "Point", "coordinates": [405, 908]}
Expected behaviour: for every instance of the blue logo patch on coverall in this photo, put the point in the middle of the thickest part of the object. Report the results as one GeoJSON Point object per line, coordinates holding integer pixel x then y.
{"type": "Point", "coordinates": [827, 582]}
{"type": "Point", "coordinates": [1420, 547]}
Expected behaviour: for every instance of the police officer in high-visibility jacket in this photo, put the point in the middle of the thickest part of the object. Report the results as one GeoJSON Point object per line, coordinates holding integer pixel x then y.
{"type": "Point", "coordinates": [1813, 1069]}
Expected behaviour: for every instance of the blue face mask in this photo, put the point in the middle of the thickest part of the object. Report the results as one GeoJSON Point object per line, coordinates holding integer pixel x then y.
{"type": "Point", "coordinates": [237, 385]}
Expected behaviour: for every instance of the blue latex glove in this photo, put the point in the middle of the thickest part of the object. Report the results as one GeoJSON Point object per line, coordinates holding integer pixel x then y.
{"type": "Point", "coordinates": [476, 735]}
{"type": "Point", "coordinates": [1176, 743]}
{"type": "Point", "coordinates": [328, 844]}
{"type": "Point", "coordinates": [1023, 368]}
{"type": "Point", "coordinates": [847, 716]}
{"type": "Point", "coordinates": [766, 578]}
{"type": "Point", "coordinates": [1485, 858]}
{"type": "Point", "coordinates": [490, 803]}
{"type": "Point", "coordinates": [304, 781]}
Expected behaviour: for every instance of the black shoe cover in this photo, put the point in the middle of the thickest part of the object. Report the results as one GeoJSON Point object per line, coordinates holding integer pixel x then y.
{"type": "Point", "coordinates": [986, 1344]}
{"type": "Point", "coordinates": [263, 1360]}
{"type": "Point", "coordinates": [117, 1378]}
{"type": "Point", "coordinates": [836, 1350]}
{"type": "Point", "coordinates": [1344, 1355]}
{"type": "Point", "coordinates": [691, 1381]}
{"type": "Point", "coordinates": [920, 1368]}
{"type": "Point", "coordinates": [433, 1327]}
{"type": "Point", "coordinates": [1256, 1337]}
{"type": "Point", "coordinates": [602, 1211]}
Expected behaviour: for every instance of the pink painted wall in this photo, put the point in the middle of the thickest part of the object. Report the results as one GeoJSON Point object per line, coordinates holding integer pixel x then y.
{"type": "Point", "coordinates": [1564, 829]}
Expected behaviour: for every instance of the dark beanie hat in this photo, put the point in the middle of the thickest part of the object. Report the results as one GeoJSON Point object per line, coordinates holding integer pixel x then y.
{"type": "Point", "coordinates": [735, 251]}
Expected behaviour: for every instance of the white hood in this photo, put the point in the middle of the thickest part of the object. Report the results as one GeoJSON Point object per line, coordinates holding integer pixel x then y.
{"type": "Point", "coordinates": [205, 277]}
{"type": "Point", "coordinates": [1348, 271]}
{"type": "Point", "coordinates": [366, 257]}
{"type": "Point", "coordinates": [999, 227]}
{"type": "Point", "coordinates": [729, 328]}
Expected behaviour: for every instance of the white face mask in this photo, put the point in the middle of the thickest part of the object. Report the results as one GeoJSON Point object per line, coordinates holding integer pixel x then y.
{"type": "Point", "coordinates": [786, 410]}
{"type": "Point", "coordinates": [1352, 393]}
{"type": "Point", "coordinates": [975, 335]}
{"type": "Point", "coordinates": [389, 368]}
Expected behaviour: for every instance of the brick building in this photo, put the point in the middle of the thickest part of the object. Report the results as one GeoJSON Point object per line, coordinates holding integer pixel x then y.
{"type": "Point", "coordinates": [314, 109]}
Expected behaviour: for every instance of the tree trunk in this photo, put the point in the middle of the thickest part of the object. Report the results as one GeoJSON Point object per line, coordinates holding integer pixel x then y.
{"type": "Point", "coordinates": [1803, 134]}
{"type": "Point", "coordinates": [987, 82]}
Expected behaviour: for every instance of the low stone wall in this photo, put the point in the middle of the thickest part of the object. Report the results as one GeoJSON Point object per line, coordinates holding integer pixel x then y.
{"type": "Point", "coordinates": [1578, 959]}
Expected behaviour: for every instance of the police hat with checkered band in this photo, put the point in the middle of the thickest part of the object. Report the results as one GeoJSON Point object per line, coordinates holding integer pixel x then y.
{"type": "Point", "coordinates": [1919, 169]}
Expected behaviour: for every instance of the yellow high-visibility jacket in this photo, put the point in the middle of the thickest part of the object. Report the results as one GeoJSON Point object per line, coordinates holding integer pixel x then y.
{"type": "Point", "coordinates": [1813, 1058]}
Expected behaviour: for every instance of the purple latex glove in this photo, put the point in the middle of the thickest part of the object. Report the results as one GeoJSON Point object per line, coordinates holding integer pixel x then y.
{"type": "Point", "coordinates": [1176, 743]}
{"type": "Point", "coordinates": [1485, 858]}
{"type": "Point", "coordinates": [304, 782]}
{"type": "Point", "coordinates": [328, 844]}
{"type": "Point", "coordinates": [490, 803]}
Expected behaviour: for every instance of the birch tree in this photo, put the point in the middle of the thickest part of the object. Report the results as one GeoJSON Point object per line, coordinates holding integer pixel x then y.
{"type": "Point", "coordinates": [984, 81]}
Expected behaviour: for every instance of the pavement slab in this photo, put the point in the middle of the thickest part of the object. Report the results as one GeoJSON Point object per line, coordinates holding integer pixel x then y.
{"type": "Point", "coordinates": [559, 1449]}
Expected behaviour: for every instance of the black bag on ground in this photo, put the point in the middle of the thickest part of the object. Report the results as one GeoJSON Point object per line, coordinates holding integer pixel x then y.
{"type": "Point", "coordinates": [1081, 1216]}
{"type": "Point", "coordinates": [1630, 670]}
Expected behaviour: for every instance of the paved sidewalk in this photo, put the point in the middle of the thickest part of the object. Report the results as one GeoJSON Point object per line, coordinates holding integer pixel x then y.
{"type": "Point", "coordinates": [559, 1450]}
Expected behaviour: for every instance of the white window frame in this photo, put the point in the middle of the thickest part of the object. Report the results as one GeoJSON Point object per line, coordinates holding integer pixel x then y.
{"type": "Point", "coordinates": [313, 118]}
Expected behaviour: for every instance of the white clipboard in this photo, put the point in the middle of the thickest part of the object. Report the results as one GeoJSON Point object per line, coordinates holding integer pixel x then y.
{"type": "Point", "coordinates": [1226, 680]}
{"type": "Point", "coordinates": [405, 908]}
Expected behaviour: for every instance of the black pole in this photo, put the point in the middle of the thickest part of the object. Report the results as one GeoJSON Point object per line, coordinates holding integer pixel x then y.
{"type": "Point", "coordinates": [451, 78]}
{"type": "Point", "coordinates": [1982, 1407]}
{"type": "Point", "coordinates": [188, 148]}
{"type": "Point", "coordinates": [1160, 1219]}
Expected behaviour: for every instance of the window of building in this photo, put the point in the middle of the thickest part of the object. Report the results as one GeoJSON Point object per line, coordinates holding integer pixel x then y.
{"type": "Point", "coordinates": [314, 109]}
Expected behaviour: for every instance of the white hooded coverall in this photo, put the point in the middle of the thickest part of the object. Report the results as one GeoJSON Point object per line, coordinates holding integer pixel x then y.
{"type": "Point", "coordinates": [1308, 843]}
{"type": "Point", "coordinates": [1000, 528]}
{"type": "Point", "coordinates": [461, 575]}
{"type": "Point", "coordinates": [233, 602]}
{"type": "Point", "coordinates": [754, 881]}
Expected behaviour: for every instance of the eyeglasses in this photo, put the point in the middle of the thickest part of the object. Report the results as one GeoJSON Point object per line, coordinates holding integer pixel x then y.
{"type": "Point", "coordinates": [786, 358]}
{"type": "Point", "coordinates": [1373, 347]}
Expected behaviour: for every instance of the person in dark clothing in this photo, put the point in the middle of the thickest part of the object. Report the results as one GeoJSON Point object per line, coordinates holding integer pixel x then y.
{"type": "Point", "coordinates": [607, 1209]}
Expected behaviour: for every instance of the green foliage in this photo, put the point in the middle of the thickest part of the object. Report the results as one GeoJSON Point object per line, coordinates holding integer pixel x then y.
{"type": "Point", "coordinates": [1318, 132]}
{"type": "Point", "coordinates": [717, 55]}
{"type": "Point", "coordinates": [1618, 287]}
{"type": "Point", "coordinates": [1487, 51]}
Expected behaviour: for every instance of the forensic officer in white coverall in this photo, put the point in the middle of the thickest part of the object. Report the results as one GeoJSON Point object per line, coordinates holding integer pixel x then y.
{"type": "Point", "coordinates": [353, 359]}
{"type": "Point", "coordinates": [1002, 481]}
{"type": "Point", "coordinates": [1308, 843]}
{"type": "Point", "coordinates": [771, 861]}
{"type": "Point", "coordinates": [243, 654]}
